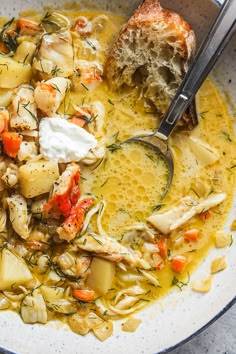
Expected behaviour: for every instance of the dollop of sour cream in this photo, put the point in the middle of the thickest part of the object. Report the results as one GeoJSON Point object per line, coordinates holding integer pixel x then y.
{"type": "Point", "coordinates": [63, 141]}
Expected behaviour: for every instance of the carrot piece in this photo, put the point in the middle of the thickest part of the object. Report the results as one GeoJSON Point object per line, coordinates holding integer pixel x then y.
{"type": "Point", "coordinates": [178, 263]}
{"type": "Point", "coordinates": [83, 295]}
{"type": "Point", "coordinates": [162, 245]}
{"type": "Point", "coordinates": [25, 27]}
{"type": "Point", "coordinates": [205, 215]}
{"type": "Point", "coordinates": [191, 235]}
{"type": "Point", "coordinates": [78, 121]}
{"type": "Point", "coordinates": [11, 143]}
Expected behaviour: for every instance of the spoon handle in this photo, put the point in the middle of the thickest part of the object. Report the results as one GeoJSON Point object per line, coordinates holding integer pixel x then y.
{"type": "Point", "coordinates": [210, 50]}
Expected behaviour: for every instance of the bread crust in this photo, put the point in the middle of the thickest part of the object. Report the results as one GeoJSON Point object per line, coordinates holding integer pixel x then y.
{"type": "Point", "coordinates": [153, 51]}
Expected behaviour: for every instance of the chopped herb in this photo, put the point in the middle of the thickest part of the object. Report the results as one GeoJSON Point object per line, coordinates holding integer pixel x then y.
{"type": "Point", "coordinates": [55, 71]}
{"type": "Point", "coordinates": [109, 101]}
{"type": "Point", "coordinates": [25, 106]}
{"type": "Point", "coordinates": [151, 157]}
{"type": "Point", "coordinates": [102, 185]}
{"type": "Point", "coordinates": [113, 147]}
{"type": "Point", "coordinates": [84, 38]}
{"type": "Point", "coordinates": [4, 65]}
{"type": "Point", "coordinates": [233, 166]}
{"type": "Point", "coordinates": [202, 114]}
{"type": "Point", "coordinates": [86, 88]}
{"type": "Point", "coordinates": [157, 207]}
{"type": "Point", "coordinates": [178, 283]}
{"type": "Point", "coordinates": [232, 240]}
{"type": "Point", "coordinates": [26, 57]}
{"type": "Point", "coordinates": [195, 192]}
{"type": "Point", "coordinates": [97, 240]}
{"type": "Point", "coordinates": [55, 87]}
{"type": "Point", "coordinates": [227, 136]}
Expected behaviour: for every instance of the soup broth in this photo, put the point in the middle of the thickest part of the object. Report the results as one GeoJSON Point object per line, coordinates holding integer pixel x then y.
{"type": "Point", "coordinates": [78, 229]}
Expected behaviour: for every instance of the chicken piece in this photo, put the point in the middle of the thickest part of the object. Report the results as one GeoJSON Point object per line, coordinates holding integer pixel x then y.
{"type": "Point", "coordinates": [24, 115]}
{"type": "Point", "coordinates": [10, 176]}
{"type": "Point", "coordinates": [180, 214]}
{"type": "Point", "coordinates": [75, 221]}
{"type": "Point", "coordinates": [33, 308]}
{"type": "Point", "coordinates": [50, 94]}
{"type": "Point", "coordinates": [55, 56]}
{"type": "Point", "coordinates": [88, 75]}
{"type": "Point", "coordinates": [108, 248]}
{"type": "Point", "coordinates": [18, 215]}
{"type": "Point", "coordinates": [66, 193]}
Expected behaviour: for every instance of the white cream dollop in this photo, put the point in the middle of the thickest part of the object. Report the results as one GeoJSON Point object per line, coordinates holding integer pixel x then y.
{"type": "Point", "coordinates": [63, 141]}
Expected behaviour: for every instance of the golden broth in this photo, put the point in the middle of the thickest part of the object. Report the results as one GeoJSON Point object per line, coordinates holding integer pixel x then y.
{"type": "Point", "coordinates": [131, 179]}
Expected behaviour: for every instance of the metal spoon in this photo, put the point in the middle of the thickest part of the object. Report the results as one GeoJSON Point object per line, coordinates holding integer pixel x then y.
{"type": "Point", "coordinates": [217, 38]}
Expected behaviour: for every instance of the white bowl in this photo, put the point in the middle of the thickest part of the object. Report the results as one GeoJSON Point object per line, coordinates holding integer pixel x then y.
{"type": "Point", "coordinates": [179, 315]}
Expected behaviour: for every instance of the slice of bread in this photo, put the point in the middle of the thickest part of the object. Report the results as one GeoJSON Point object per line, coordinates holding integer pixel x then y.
{"type": "Point", "coordinates": [152, 51]}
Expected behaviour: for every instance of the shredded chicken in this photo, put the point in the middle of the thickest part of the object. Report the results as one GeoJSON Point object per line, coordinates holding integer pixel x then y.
{"type": "Point", "coordinates": [180, 214]}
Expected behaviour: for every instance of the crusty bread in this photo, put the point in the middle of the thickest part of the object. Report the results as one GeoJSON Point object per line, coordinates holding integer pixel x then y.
{"type": "Point", "coordinates": [153, 51]}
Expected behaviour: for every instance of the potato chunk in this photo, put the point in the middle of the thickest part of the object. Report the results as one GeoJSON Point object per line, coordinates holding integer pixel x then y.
{"type": "Point", "coordinates": [102, 274]}
{"type": "Point", "coordinates": [13, 74]}
{"type": "Point", "coordinates": [13, 270]}
{"type": "Point", "coordinates": [37, 177]}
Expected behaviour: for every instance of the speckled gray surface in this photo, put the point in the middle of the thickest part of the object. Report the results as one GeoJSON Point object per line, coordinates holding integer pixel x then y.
{"type": "Point", "coordinates": [219, 338]}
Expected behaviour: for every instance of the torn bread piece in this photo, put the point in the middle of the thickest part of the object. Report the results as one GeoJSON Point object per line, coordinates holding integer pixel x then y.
{"type": "Point", "coordinates": [153, 51]}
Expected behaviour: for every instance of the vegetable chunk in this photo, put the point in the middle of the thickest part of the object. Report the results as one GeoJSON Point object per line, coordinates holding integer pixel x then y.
{"type": "Point", "coordinates": [13, 74]}
{"type": "Point", "coordinates": [102, 274]}
{"type": "Point", "coordinates": [13, 270]}
{"type": "Point", "coordinates": [37, 177]}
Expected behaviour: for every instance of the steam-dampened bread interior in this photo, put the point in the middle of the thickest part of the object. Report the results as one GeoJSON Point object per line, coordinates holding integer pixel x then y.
{"type": "Point", "coordinates": [153, 51]}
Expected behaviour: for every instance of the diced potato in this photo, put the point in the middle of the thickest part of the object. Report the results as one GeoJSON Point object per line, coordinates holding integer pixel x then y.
{"type": "Point", "coordinates": [13, 74]}
{"type": "Point", "coordinates": [52, 293]}
{"type": "Point", "coordinates": [24, 52]}
{"type": "Point", "coordinates": [233, 226]}
{"type": "Point", "coordinates": [92, 320]}
{"type": "Point", "coordinates": [37, 177]}
{"type": "Point", "coordinates": [203, 286]}
{"type": "Point", "coordinates": [78, 325]}
{"type": "Point", "coordinates": [218, 264]}
{"type": "Point", "coordinates": [205, 153]}
{"type": "Point", "coordinates": [5, 97]}
{"type": "Point", "coordinates": [13, 270]}
{"type": "Point", "coordinates": [101, 275]}
{"type": "Point", "coordinates": [131, 324]}
{"type": "Point", "coordinates": [222, 239]}
{"type": "Point", "coordinates": [104, 330]}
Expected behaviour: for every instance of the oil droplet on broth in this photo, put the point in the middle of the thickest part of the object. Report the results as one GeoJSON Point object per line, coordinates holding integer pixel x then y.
{"type": "Point", "coordinates": [132, 181]}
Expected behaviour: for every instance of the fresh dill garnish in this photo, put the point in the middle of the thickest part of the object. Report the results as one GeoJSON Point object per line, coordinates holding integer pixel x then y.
{"type": "Point", "coordinates": [102, 185]}
{"type": "Point", "coordinates": [110, 101]}
{"type": "Point", "coordinates": [191, 189]}
{"type": "Point", "coordinates": [150, 157]}
{"type": "Point", "coordinates": [202, 114]}
{"type": "Point", "coordinates": [86, 88]}
{"type": "Point", "coordinates": [227, 136]}
{"type": "Point", "coordinates": [9, 39]}
{"type": "Point", "coordinates": [26, 57]}
{"type": "Point", "coordinates": [100, 162]}
{"type": "Point", "coordinates": [55, 87]}
{"type": "Point", "coordinates": [114, 147]}
{"type": "Point", "coordinates": [84, 38]}
{"type": "Point", "coordinates": [180, 284]}
{"type": "Point", "coordinates": [95, 239]}
{"type": "Point", "coordinates": [55, 71]}
{"type": "Point", "coordinates": [25, 106]}
{"type": "Point", "coordinates": [157, 207]}
{"type": "Point", "coordinates": [4, 65]}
